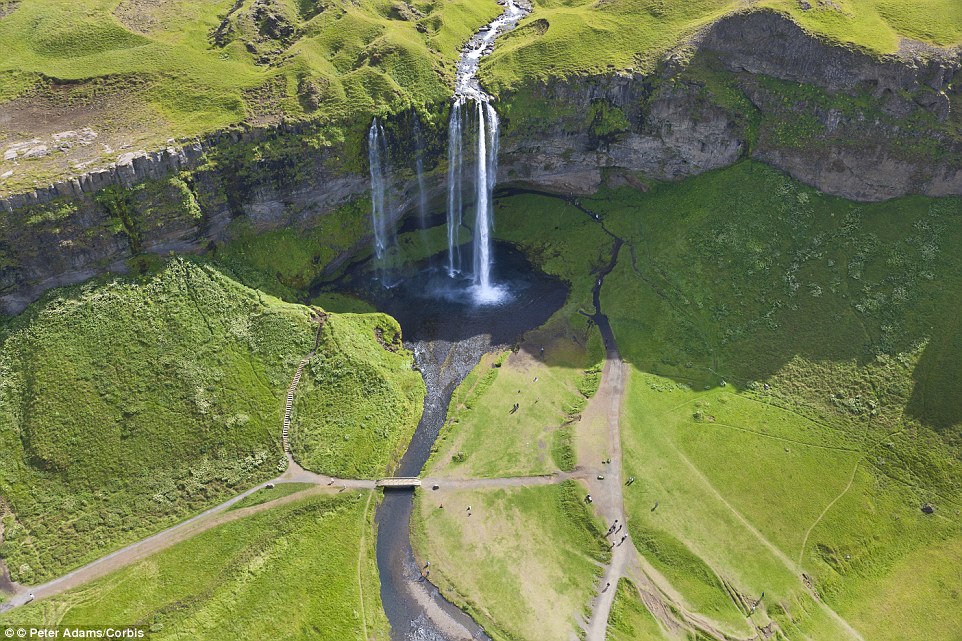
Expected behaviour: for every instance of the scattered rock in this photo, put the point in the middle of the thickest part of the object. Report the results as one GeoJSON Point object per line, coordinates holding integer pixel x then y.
{"type": "Point", "coordinates": [10, 154]}
{"type": "Point", "coordinates": [37, 152]}
{"type": "Point", "coordinates": [928, 508]}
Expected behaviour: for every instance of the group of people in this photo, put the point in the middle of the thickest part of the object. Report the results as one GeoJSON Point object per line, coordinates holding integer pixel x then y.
{"type": "Point", "coordinates": [615, 529]}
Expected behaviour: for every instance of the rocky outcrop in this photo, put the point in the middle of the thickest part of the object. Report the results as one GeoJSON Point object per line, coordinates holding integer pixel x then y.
{"type": "Point", "coordinates": [751, 85]}
{"type": "Point", "coordinates": [768, 43]}
{"type": "Point", "coordinates": [130, 169]}
{"type": "Point", "coordinates": [666, 135]}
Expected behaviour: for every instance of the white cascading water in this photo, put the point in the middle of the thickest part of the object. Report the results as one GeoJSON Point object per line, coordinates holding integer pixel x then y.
{"type": "Point", "coordinates": [377, 161]}
{"type": "Point", "coordinates": [454, 190]}
{"type": "Point", "coordinates": [487, 176]}
{"type": "Point", "coordinates": [482, 220]}
{"type": "Point", "coordinates": [467, 88]}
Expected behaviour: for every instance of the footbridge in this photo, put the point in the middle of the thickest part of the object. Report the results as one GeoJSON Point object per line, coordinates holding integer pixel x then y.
{"type": "Point", "coordinates": [398, 482]}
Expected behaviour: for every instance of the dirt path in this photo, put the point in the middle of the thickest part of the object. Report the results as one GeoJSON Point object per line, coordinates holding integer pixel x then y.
{"type": "Point", "coordinates": [207, 519]}
{"type": "Point", "coordinates": [162, 540]}
{"type": "Point", "coordinates": [504, 481]}
{"type": "Point", "coordinates": [193, 526]}
{"type": "Point", "coordinates": [607, 492]}
{"type": "Point", "coordinates": [808, 532]}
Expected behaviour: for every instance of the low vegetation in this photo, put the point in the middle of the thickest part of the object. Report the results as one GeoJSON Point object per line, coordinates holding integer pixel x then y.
{"type": "Point", "coordinates": [300, 571]}
{"type": "Point", "coordinates": [522, 562]}
{"type": "Point", "coordinates": [572, 37]}
{"type": "Point", "coordinates": [629, 619]}
{"type": "Point", "coordinates": [128, 405]}
{"type": "Point", "coordinates": [285, 262]}
{"type": "Point", "coordinates": [359, 399]}
{"type": "Point", "coordinates": [184, 68]}
{"type": "Point", "coordinates": [791, 407]}
{"type": "Point", "coordinates": [525, 401]}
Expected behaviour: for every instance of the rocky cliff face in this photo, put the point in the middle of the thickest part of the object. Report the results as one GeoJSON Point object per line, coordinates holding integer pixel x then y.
{"type": "Point", "coordinates": [757, 85]}
{"type": "Point", "coordinates": [751, 85]}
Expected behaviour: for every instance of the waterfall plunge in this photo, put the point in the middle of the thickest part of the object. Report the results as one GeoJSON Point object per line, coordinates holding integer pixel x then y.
{"type": "Point", "coordinates": [485, 178]}
{"type": "Point", "coordinates": [455, 201]}
{"type": "Point", "coordinates": [380, 183]}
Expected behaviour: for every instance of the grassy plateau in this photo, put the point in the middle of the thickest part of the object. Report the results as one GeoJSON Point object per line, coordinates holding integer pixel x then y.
{"type": "Point", "coordinates": [522, 561]}
{"type": "Point", "coordinates": [303, 570]}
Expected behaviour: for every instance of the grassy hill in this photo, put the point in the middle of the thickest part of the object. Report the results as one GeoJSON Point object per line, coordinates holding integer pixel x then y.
{"type": "Point", "coordinates": [138, 72]}
{"type": "Point", "coordinates": [359, 400]}
{"type": "Point", "coordinates": [120, 75]}
{"type": "Point", "coordinates": [793, 405]}
{"type": "Point", "coordinates": [299, 571]}
{"type": "Point", "coordinates": [129, 405]}
{"type": "Point", "coordinates": [202, 65]}
{"type": "Point", "coordinates": [571, 37]}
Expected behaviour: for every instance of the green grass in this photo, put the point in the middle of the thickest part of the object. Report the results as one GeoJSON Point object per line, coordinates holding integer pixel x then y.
{"type": "Point", "coordinates": [286, 261]}
{"type": "Point", "coordinates": [792, 402]}
{"type": "Point", "coordinates": [847, 313]}
{"type": "Point", "coordinates": [359, 399]}
{"type": "Point", "coordinates": [523, 565]}
{"type": "Point", "coordinates": [574, 37]}
{"type": "Point", "coordinates": [697, 536]}
{"type": "Point", "coordinates": [629, 619]}
{"type": "Point", "coordinates": [129, 405]}
{"type": "Point", "coordinates": [300, 571]}
{"type": "Point", "coordinates": [267, 494]}
{"type": "Point", "coordinates": [535, 439]}
{"type": "Point", "coordinates": [185, 69]}
{"type": "Point", "coordinates": [342, 304]}
{"type": "Point", "coordinates": [356, 54]}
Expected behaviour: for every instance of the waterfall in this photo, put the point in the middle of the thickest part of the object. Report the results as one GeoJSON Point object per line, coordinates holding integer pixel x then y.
{"type": "Point", "coordinates": [454, 189]}
{"type": "Point", "coordinates": [419, 170]}
{"type": "Point", "coordinates": [485, 177]}
{"type": "Point", "coordinates": [482, 216]}
{"type": "Point", "coordinates": [380, 180]}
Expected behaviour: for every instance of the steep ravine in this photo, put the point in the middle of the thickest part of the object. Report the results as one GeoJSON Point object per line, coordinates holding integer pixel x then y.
{"type": "Point", "coordinates": [751, 85]}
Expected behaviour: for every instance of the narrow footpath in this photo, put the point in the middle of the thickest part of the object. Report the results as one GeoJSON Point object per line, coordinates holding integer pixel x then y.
{"type": "Point", "coordinates": [217, 515]}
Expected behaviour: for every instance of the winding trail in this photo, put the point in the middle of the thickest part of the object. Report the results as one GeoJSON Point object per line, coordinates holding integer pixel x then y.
{"type": "Point", "coordinates": [808, 532]}
{"type": "Point", "coordinates": [212, 517]}
{"type": "Point", "coordinates": [503, 481]}
{"type": "Point", "coordinates": [162, 540]}
{"type": "Point", "coordinates": [600, 468]}
{"type": "Point", "coordinates": [609, 496]}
